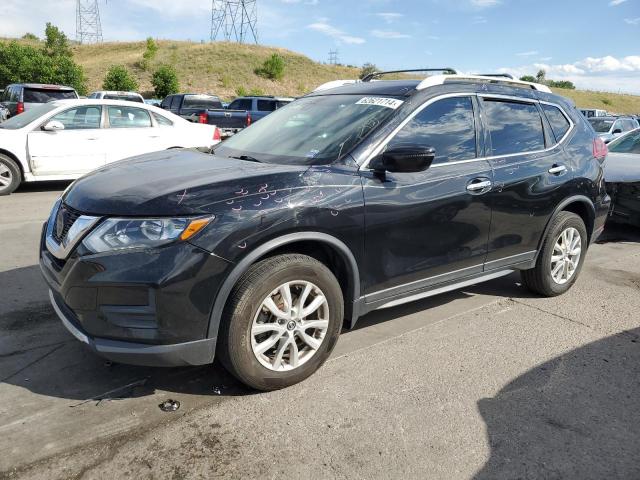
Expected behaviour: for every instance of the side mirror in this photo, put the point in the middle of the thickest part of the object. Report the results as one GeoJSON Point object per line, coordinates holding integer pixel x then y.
{"type": "Point", "coordinates": [617, 131]}
{"type": "Point", "coordinates": [53, 126]}
{"type": "Point", "coordinates": [404, 158]}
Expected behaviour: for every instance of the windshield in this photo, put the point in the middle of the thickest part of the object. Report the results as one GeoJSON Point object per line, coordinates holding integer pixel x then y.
{"type": "Point", "coordinates": [201, 102]}
{"type": "Point", "coordinates": [629, 143]}
{"type": "Point", "coordinates": [311, 130]}
{"type": "Point", "coordinates": [601, 126]}
{"type": "Point", "coordinates": [44, 95]}
{"type": "Point", "coordinates": [28, 116]}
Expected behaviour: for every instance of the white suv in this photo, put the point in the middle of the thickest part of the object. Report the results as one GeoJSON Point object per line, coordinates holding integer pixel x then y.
{"type": "Point", "coordinates": [113, 95]}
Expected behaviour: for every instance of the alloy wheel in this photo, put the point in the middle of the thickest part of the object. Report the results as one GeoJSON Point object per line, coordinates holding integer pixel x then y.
{"type": "Point", "coordinates": [290, 325]}
{"type": "Point", "coordinates": [566, 255]}
{"type": "Point", "coordinates": [6, 177]}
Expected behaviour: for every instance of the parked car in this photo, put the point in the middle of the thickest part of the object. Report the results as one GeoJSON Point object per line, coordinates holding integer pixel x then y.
{"type": "Point", "coordinates": [610, 127]}
{"type": "Point", "coordinates": [206, 109]}
{"type": "Point", "coordinates": [65, 139]}
{"type": "Point", "coordinates": [113, 95]}
{"type": "Point", "coordinates": [244, 111]}
{"type": "Point", "coordinates": [622, 175]}
{"type": "Point", "coordinates": [348, 200]}
{"type": "Point", "coordinates": [4, 113]}
{"type": "Point", "coordinates": [156, 102]}
{"type": "Point", "coordinates": [19, 97]}
{"type": "Point", "coordinates": [593, 112]}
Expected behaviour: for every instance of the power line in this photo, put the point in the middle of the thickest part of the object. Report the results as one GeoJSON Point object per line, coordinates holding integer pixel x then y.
{"type": "Point", "coordinates": [234, 20]}
{"type": "Point", "coordinates": [88, 26]}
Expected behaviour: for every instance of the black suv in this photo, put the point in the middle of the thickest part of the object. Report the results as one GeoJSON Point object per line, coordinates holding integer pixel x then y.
{"type": "Point", "coordinates": [350, 199]}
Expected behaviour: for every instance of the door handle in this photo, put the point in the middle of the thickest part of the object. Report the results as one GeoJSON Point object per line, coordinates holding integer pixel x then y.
{"type": "Point", "coordinates": [477, 186]}
{"type": "Point", "coordinates": [557, 169]}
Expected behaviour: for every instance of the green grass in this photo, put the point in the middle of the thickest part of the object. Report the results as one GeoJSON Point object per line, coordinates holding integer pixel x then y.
{"type": "Point", "coordinates": [611, 102]}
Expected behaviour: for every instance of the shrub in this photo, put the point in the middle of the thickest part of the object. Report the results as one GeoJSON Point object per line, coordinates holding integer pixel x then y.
{"type": "Point", "coordinates": [256, 92]}
{"type": "Point", "coordinates": [149, 54]}
{"type": "Point", "coordinates": [606, 101]}
{"type": "Point", "coordinates": [528, 78]}
{"type": "Point", "coordinates": [561, 84]}
{"type": "Point", "coordinates": [56, 42]}
{"type": "Point", "coordinates": [165, 81]}
{"type": "Point", "coordinates": [241, 92]}
{"type": "Point", "coordinates": [367, 69]}
{"type": "Point", "coordinates": [272, 68]}
{"type": "Point", "coordinates": [30, 36]}
{"type": "Point", "coordinates": [119, 78]}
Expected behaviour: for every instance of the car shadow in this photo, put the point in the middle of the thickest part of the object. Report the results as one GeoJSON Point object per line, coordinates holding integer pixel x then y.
{"type": "Point", "coordinates": [619, 232]}
{"type": "Point", "coordinates": [43, 186]}
{"type": "Point", "coordinates": [573, 417]}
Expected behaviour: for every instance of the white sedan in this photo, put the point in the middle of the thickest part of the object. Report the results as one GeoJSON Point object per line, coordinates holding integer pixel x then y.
{"type": "Point", "coordinates": [65, 139]}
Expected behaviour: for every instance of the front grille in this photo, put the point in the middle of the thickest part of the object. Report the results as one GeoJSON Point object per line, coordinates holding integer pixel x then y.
{"type": "Point", "coordinates": [65, 218]}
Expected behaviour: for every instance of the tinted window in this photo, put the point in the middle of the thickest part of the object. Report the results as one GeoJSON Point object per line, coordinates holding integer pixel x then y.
{"type": "Point", "coordinates": [447, 125]}
{"type": "Point", "coordinates": [628, 144]}
{"type": "Point", "coordinates": [266, 105]}
{"type": "Point", "coordinates": [128, 98]}
{"type": "Point", "coordinates": [162, 120]}
{"type": "Point", "coordinates": [201, 102]}
{"type": "Point", "coordinates": [282, 103]}
{"type": "Point", "coordinates": [80, 118]}
{"type": "Point", "coordinates": [44, 95]}
{"type": "Point", "coordinates": [166, 103]}
{"type": "Point", "coordinates": [128, 117]}
{"type": "Point", "coordinates": [600, 125]}
{"type": "Point", "coordinates": [514, 127]}
{"type": "Point", "coordinates": [559, 123]}
{"type": "Point", "coordinates": [241, 104]}
{"type": "Point", "coordinates": [175, 102]}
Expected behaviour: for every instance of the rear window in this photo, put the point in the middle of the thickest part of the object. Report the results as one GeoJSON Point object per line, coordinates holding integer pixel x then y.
{"type": "Point", "coordinates": [201, 102]}
{"type": "Point", "coordinates": [601, 126]}
{"type": "Point", "coordinates": [44, 95]}
{"type": "Point", "coordinates": [514, 127]}
{"type": "Point", "coordinates": [559, 123]}
{"type": "Point", "coordinates": [241, 104]}
{"type": "Point", "coordinates": [128, 98]}
{"type": "Point", "coordinates": [266, 105]}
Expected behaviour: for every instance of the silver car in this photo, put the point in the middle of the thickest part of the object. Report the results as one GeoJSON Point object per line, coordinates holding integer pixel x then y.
{"type": "Point", "coordinates": [19, 97]}
{"type": "Point", "coordinates": [609, 128]}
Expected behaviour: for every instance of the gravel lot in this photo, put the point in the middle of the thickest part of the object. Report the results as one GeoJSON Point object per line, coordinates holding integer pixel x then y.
{"type": "Point", "coordinates": [489, 382]}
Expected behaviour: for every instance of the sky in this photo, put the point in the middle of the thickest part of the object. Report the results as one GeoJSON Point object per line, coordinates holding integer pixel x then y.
{"type": "Point", "coordinates": [593, 43]}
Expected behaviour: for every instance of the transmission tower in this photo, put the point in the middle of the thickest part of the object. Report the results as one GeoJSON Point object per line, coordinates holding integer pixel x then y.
{"type": "Point", "coordinates": [88, 27]}
{"type": "Point", "coordinates": [333, 57]}
{"type": "Point", "coordinates": [234, 20]}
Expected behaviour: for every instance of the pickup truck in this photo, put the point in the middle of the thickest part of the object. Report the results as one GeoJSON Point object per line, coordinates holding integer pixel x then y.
{"type": "Point", "coordinates": [242, 112]}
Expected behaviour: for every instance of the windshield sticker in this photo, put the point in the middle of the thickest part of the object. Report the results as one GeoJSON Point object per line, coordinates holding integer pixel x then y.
{"type": "Point", "coordinates": [380, 102]}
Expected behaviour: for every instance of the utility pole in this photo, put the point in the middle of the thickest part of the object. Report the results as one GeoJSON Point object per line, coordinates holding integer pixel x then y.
{"type": "Point", "coordinates": [88, 26]}
{"type": "Point", "coordinates": [234, 20]}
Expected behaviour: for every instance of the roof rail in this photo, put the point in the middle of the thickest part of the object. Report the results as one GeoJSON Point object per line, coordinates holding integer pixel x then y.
{"type": "Point", "coordinates": [505, 75]}
{"type": "Point", "coordinates": [373, 75]}
{"type": "Point", "coordinates": [441, 79]}
{"type": "Point", "coordinates": [335, 84]}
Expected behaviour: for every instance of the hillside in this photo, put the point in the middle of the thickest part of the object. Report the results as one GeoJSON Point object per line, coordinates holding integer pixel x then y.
{"type": "Point", "coordinates": [222, 68]}
{"type": "Point", "coordinates": [219, 68]}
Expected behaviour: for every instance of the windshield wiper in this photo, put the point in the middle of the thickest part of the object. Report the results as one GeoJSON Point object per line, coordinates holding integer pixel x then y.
{"type": "Point", "coordinates": [246, 158]}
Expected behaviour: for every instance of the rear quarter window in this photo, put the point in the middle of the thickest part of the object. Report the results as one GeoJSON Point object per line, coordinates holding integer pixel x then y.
{"type": "Point", "coordinates": [560, 125]}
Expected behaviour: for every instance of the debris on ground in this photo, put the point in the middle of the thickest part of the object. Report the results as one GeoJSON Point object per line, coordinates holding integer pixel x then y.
{"type": "Point", "coordinates": [169, 405]}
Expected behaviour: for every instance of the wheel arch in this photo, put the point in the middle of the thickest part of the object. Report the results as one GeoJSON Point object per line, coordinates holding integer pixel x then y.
{"type": "Point", "coordinates": [581, 206]}
{"type": "Point", "coordinates": [328, 249]}
{"type": "Point", "coordinates": [13, 157]}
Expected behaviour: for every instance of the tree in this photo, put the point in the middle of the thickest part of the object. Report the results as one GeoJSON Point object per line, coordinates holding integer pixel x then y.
{"type": "Point", "coordinates": [561, 84]}
{"type": "Point", "coordinates": [165, 81]}
{"type": "Point", "coordinates": [367, 69]}
{"type": "Point", "coordinates": [56, 42]}
{"type": "Point", "coordinates": [149, 54]}
{"type": "Point", "coordinates": [30, 36]}
{"type": "Point", "coordinates": [272, 68]}
{"type": "Point", "coordinates": [541, 76]}
{"type": "Point", "coordinates": [119, 78]}
{"type": "Point", "coordinates": [528, 78]}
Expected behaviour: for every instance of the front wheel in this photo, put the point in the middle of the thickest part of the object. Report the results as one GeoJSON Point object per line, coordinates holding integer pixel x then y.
{"type": "Point", "coordinates": [282, 320]}
{"type": "Point", "coordinates": [561, 258]}
{"type": "Point", "coordinates": [9, 175]}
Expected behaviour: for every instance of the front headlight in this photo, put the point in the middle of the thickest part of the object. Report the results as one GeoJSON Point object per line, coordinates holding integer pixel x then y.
{"type": "Point", "coordinates": [126, 233]}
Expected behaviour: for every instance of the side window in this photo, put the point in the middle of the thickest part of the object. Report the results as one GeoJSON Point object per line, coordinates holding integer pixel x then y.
{"type": "Point", "coordinates": [175, 102]}
{"type": "Point", "coordinates": [241, 104]}
{"type": "Point", "coordinates": [80, 118]}
{"type": "Point", "coordinates": [559, 123]}
{"type": "Point", "coordinates": [166, 103]}
{"type": "Point", "coordinates": [161, 120]}
{"type": "Point", "coordinates": [128, 117]}
{"type": "Point", "coordinates": [513, 127]}
{"type": "Point", "coordinates": [447, 125]}
{"type": "Point", "coordinates": [617, 126]}
{"type": "Point", "coordinates": [266, 105]}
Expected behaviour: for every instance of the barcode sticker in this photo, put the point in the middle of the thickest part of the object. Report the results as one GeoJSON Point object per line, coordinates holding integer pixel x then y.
{"type": "Point", "coordinates": [392, 103]}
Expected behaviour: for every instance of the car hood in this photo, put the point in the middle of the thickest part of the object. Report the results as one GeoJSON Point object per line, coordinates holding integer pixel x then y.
{"type": "Point", "coordinates": [622, 167]}
{"type": "Point", "coordinates": [173, 182]}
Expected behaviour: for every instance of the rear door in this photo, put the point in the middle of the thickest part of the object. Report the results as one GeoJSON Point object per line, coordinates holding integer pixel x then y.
{"type": "Point", "coordinates": [130, 132]}
{"type": "Point", "coordinates": [77, 149]}
{"type": "Point", "coordinates": [429, 227]}
{"type": "Point", "coordinates": [531, 174]}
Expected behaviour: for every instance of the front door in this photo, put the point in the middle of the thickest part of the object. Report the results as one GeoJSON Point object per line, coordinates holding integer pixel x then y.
{"type": "Point", "coordinates": [429, 227]}
{"type": "Point", "coordinates": [76, 150]}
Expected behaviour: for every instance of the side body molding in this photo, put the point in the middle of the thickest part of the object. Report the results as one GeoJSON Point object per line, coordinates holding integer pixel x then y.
{"type": "Point", "coordinates": [250, 259]}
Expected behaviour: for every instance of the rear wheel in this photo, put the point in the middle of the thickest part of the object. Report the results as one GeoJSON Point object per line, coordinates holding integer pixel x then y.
{"type": "Point", "coordinates": [282, 321]}
{"type": "Point", "coordinates": [9, 175]}
{"type": "Point", "coordinates": [561, 258]}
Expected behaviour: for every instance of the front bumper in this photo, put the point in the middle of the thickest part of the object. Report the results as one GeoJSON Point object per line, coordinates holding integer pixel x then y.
{"type": "Point", "coordinates": [144, 307]}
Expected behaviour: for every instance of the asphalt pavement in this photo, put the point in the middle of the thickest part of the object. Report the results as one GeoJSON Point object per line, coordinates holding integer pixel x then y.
{"type": "Point", "coordinates": [488, 382]}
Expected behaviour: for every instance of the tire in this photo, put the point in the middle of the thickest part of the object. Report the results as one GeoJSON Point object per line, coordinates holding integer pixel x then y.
{"type": "Point", "coordinates": [540, 279]}
{"type": "Point", "coordinates": [245, 312]}
{"type": "Point", "coordinates": [10, 176]}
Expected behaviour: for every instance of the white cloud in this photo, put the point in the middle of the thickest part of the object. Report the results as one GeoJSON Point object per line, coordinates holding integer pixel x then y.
{"type": "Point", "coordinates": [615, 3]}
{"type": "Point", "coordinates": [388, 34]}
{"type": "Point", "coordinates": [633, 21]}
{"type": "Point", "coordinates": [390, 17]}
{"type": "Point", "coordinates": [335, 33]}
{"type": "Point", "coordinates": [530, 53]}
{"type": "Point", "coordinates": [596, 73]}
